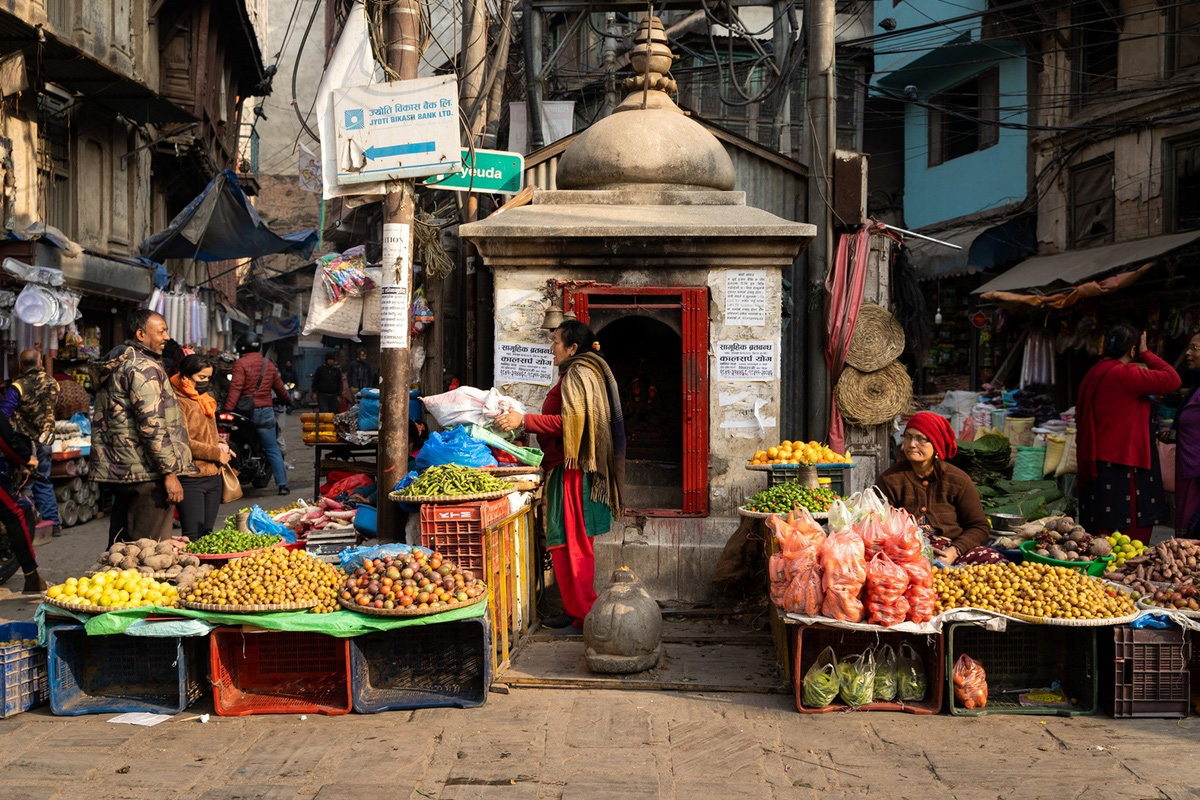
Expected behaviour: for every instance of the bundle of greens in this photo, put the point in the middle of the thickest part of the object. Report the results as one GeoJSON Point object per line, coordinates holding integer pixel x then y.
{"type": "Point", "coordinates": [856, 679]}
{"type": "Point", "coordinates": [985, 459]}
{"type": "Point", "coordinates": [911, 684]}
{"type": "Point", "coordinates": [885, 674]}
{"type": "Point", "coordinates": [1030, 499]}
{"type": "Point", "coordinates": [821, 681]}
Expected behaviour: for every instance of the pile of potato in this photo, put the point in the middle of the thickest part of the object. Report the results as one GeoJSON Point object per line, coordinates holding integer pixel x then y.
{"type": "Point", "coordinates": [149, 557]}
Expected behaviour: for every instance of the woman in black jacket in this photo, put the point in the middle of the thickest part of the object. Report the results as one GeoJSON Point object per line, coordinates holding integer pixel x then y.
{"type": "Point", "coordinates": [18, 452]}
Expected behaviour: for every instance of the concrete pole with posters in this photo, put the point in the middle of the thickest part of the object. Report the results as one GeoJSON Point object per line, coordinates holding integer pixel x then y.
{"type": "Point", "coordinates": [821, 16]}
{"type": "Point", "coordinates": [403, 59]}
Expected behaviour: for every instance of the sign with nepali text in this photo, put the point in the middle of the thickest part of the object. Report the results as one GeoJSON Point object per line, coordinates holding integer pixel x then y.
{"type": "Point", "coordinates": [745, 361]}
{"type": "Point", "coordinates": [521, 362]}
{"type": "Point", "coordinates": [402, 129]}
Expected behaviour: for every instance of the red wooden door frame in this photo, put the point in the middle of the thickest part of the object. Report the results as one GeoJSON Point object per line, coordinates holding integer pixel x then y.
{"type": "Point", "coordinates": [692, 303]}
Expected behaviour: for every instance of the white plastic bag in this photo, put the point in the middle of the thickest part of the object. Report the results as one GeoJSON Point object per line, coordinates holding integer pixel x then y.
{"type": "Point", "coordinates": [332, 319]}
{"type": "Point", "coordinates": [461, 406]}
{"type": "Point", "coordinates": [467, 405]}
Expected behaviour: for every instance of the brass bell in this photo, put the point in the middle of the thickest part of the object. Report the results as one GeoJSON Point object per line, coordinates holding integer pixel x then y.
{"type": "Point", "coordinates": [553, 318]}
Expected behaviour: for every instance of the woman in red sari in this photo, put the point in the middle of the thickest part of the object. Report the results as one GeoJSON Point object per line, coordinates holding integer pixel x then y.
{"type": "Point", "coordinates": [582, 433]}
{"type": "Point", "coordinates": [1119, 480]}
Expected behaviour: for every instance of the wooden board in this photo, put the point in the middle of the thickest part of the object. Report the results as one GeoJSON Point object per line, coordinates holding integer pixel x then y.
{"type": "Point", "coordinates": [698, 656]}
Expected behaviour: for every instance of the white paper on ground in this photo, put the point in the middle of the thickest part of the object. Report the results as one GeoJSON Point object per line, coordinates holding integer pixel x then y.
{"type": "Point", "coordinates": [140, 718]}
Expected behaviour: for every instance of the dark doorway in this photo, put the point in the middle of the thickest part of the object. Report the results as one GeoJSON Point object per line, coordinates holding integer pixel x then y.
{"type": "Point", "coordinates": [646, 357]}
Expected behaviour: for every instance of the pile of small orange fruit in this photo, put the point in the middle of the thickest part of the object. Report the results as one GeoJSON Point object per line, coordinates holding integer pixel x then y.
{"type": "Point", "coordinates": [788, 452]}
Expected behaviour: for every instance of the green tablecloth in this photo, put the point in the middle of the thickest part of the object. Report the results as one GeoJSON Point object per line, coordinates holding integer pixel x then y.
{"type": "Point", "coordinates": [340, 623]}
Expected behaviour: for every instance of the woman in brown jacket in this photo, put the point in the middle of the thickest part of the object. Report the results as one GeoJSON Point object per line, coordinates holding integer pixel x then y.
{"type": "Point", "coordinates": [941, 496]}
{"type": "Point", "coordinates": [202, 491]}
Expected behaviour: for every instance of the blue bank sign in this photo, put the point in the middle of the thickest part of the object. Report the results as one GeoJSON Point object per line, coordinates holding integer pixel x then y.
{"type": "Point", "coordinates": [402, 129]}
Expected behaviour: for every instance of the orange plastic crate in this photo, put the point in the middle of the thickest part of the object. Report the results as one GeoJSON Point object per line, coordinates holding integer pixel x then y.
{"type": "Point", "coordinates": [279, 672]}
{"type": "Point", "coordinates": [456, 531]}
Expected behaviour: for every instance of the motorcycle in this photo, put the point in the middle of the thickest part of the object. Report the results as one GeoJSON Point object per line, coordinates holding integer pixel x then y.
{"type": "Point", "coordinates": [296, 396]}
{"type": "Point", "coordinates": [248, 456]}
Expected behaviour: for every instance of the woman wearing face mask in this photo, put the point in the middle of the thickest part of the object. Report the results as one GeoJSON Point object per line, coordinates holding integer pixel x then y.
{"type": "Point", "coordinates": [201, 492]}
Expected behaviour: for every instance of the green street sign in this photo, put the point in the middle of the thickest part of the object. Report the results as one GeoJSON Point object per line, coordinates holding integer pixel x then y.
{"type": "Point", "coordinates": [493, 172]}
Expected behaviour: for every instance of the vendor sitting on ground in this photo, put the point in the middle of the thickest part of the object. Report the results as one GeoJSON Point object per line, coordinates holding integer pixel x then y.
{"type": "Point", "coordinates": [940, 495]}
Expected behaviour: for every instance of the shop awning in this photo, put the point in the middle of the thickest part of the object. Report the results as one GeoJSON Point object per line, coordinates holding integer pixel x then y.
{"type": "Point", "coordinates": [984, 247]}
{"type": "Point", "coordinates": [1053, 274]}
{"type": "Point", "coordinates": [236, 315]}
{"type": "Point", "coordinates": [58, 61]}
{"type": "Point", "coordinates": [219, 225]}
{"type": "Point", "coordinates": [85, 271]}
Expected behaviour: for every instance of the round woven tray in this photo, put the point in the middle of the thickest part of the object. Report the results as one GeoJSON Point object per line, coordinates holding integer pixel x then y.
{"type": "Point", "coordinates": [784, 467]}
{"type": "Point", "coordinates": [515, 469]}
{"type": "Point", "coordinates": [250, 609]}
{"type": "Point", "coordinates": [817, 515]}
{"type": "Point", "coordinates": [405, 612]}
{"type": "Point", "coordinates": [158, 576]}
{"type": "Point", "coordinates": [231, 556]}
{"type": "Point", "coordinates": [1148, 606]}
{"type": "Point", "coordinates": [83, 609]}
{"type": "Point", "coordinates": [1077, 623]}
{"type": "Point", "coordinates": [878, 339]}
{"type": "Point", "coordinates": [873, 398]}
{"type": "Point", "coordinates": [451, 498]}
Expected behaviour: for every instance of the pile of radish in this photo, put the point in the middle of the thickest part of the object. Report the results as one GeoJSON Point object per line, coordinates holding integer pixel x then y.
{"type": "Point", "coordinates": [326, 515]}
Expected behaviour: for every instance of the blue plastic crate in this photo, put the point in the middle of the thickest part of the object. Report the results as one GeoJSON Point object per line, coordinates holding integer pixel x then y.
{"type": "Point", "coordinates": [423, 666]}
{"type": "Point", "coordinates": [117, 674]}
{"type": "Point", "coordinates": [23, 682]}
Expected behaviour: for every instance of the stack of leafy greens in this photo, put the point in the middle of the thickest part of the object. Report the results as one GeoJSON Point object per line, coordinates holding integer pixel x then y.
{"type": "Point", "coordinates": [1030, 499]}
{"type": "Point", "coordinates": [985, 459]}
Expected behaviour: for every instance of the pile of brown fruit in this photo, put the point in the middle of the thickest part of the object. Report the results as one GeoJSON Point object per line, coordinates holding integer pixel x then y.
{"type": "Point", "coordinates": [1184, 597]}
{"type": "Point", "coordinates": [273, 577]}
{"type": "Point", "coordinates": [420, 581]}
{"type": "Point", "coordinates": [1036, 590]}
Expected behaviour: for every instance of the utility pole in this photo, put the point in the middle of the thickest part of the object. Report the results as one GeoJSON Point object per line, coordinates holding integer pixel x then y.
{"type": "Point", "coordinates": [782, 45]}
{"type": "Point", "coordinates": [531, 40]}
{"type": "Point", "coordinates": [820, 18]}
{"type": "Point", "coordinates": [399, 204]}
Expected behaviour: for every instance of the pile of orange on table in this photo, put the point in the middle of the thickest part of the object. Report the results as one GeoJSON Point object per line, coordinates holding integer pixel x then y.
{"type": "Point", "coordinates": [788, 452]}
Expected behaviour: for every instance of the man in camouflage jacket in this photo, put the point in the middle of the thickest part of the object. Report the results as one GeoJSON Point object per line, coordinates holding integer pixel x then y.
{"type": "Point", "coordinates": [140, 444]}
{"type": "Point", "coordinates": [29, 407]}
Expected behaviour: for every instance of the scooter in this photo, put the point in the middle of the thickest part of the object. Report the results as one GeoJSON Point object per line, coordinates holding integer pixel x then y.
{"type": "Point", "coordinates": [248, 456]}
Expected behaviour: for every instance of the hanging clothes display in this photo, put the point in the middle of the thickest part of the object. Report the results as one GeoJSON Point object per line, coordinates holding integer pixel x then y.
{"type": "Point", "coordinates": [1038, 366]}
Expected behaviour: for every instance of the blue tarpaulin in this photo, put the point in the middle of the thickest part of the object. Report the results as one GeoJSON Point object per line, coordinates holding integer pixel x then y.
{"type": "Point", "coordinates": [220, 224]}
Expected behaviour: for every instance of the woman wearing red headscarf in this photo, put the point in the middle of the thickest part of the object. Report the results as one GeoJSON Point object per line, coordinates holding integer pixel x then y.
{"type": "Point", "coordinates": [940, 495]}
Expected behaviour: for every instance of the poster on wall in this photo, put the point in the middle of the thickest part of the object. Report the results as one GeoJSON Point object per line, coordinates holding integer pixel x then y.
{"type": "Point", "coordinates": [394, 299]}
{"type": "Point", "coordinates": [745, 361]}
{"type": "Point", "coordinates": [522, 362]}
{"type": "Point", "coordinates": [746, 297]}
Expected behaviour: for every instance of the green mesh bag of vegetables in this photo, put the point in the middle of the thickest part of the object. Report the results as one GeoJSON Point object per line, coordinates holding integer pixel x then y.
{"type": "Point", "coordinates": [856, 679]}
{"type": "Point", "coordinates": [821, 682]}
{"type": "Point", "coordinates": [885, 674]}
{"type": "Point", "coordinates": [911, 684]}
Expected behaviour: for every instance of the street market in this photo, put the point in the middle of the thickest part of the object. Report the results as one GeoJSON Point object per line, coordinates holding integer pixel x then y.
{"type": "Point", "coordinates": [748, 399]}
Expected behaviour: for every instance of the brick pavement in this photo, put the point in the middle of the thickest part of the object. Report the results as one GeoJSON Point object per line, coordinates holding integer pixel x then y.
{"type": "Point", "coordinates": [580, 745]}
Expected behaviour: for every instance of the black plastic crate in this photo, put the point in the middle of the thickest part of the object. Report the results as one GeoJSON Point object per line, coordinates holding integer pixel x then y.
{"type": "Point", "coordinates": [1149, 672]}
{"type": "Point", "coordinates": [1025, 657]}
{"type": "Point", "coordinates": [423, 666]}
{"type": "Point", "coordinates": [118, 674]}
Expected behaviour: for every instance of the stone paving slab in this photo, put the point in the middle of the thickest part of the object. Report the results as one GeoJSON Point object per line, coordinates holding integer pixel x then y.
{"type": "Point", "coordinates": [578, 745]}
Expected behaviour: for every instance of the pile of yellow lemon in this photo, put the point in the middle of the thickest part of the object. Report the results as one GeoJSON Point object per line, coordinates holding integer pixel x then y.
{"type": "Point", "coordinates": [115, 589]}
{"type": "Point", "coordinates": [1123, 549]}
{"type": "Point", "coordinates": [788, 452]}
